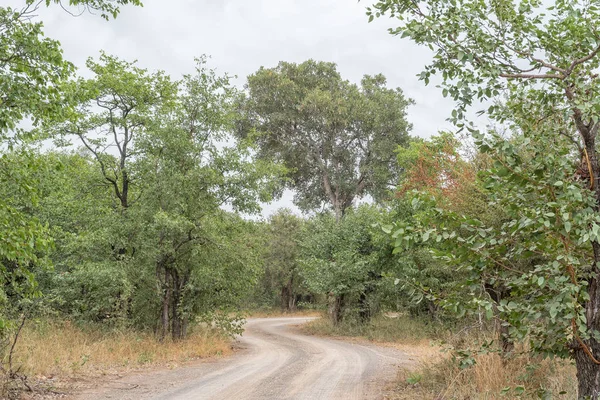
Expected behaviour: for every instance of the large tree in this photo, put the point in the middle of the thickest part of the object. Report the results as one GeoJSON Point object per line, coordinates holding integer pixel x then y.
{"type": "Point", "coordinates": [543, 58]}
{"type": "Point", "coordinates": [336, 137]}
{"type": "Point", "coordinates": [162, 149]}
{"type": "Point", "coordinates": [115, 109]}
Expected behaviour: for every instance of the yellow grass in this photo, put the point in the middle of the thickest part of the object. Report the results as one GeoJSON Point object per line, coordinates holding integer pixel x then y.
{"type": "Point", "coordinates": [490, 378]}
{"type": "Point", "coordinates": [63, 349]}
{"type": "Point", "coordinates": [438, 377]}
{"type": "Point", "coordinates": [381, 329]}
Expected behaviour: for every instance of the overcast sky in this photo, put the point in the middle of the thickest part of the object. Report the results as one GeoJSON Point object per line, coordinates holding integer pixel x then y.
{"type": "Point", "coordinates": [242, 35]}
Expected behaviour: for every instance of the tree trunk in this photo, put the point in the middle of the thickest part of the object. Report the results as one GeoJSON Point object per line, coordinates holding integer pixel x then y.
{"type": "Point", "coordinates": [284, 299]}
{"type": "Point", "coordinates": [588, 371]}
{"type": "Point", "coordinates": [164, 319]}
{"type": "Point", "coordinates": [364, 310]}
{"type": "Point", "coordinates": [177, 325]}
{"type": "Point", "coordinates": [501, 327]}
{"type": "Point", "coordinates": [336, 308]}
{"type": "Point", "coordinates": [288, 297]}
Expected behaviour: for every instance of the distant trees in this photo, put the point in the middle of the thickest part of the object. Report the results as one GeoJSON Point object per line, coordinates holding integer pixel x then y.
{"type": "Point", "coordinates": [282, 258]}
{"type": "Point", "coordinates": [336, 138]}
{"type": "Point", "coordinates": [346, 260]}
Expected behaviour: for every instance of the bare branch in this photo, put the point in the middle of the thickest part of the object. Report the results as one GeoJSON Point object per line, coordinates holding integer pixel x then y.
{"type": "Point", "coordinates": [533, 76]}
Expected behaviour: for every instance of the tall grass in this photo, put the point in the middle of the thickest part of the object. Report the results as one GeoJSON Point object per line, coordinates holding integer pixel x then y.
{"type": "Point", "coordinates": [439, 377]}
{"type": "Point", "coordinates": [63, 349]}
{"type": "Point", "coordinates": [491, 378]}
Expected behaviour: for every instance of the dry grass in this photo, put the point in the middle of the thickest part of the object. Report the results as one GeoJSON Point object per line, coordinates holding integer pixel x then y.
{"type": "Point", "coordinates": [399, 330]}
{"type": "Point", "coordinates": [490, 378]}
{"type": "Point", "coordinates": [62, 349]}
{"type": "Point", "coordinates": [439, 377]}
{"type": "Point", "coordinates": [413, 337]}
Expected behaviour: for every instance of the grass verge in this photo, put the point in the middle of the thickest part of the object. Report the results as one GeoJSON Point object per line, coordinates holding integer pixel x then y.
{"type": "Point", "coordinates": [439, 377]}
{"type": "Point", "coordinates": [65, 350]}
{"type": "Point", "coordinates": [380, 329]}
{"type": "Point", "coordinates": [491, 378]}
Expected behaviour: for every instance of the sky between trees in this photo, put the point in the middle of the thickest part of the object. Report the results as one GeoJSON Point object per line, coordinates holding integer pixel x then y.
{"type": "Point", "coordinates": [240, 36]}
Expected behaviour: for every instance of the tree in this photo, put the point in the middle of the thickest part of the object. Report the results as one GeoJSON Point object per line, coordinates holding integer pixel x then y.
{"type": "Point", "coordinates": [434, 167]}
{"type": "Point", "coordinates": [116, 107]}
{"type": "Point", "coordinates": [32, 71]}
{"type": "Point", "coordinates": [337, 138]}
{"type": "Point", "coordinates": [162, 149]}
{"type": "Point", "coordinates": [282, 257]}
{"type": "Point", "coordinates": [32, 66]}
{"type": "Point", "coordinates": [187, 177]}
{"type": "Point", "coordinates": [543, 58]}
{"type": "Point", "coordinates": [345, 260]}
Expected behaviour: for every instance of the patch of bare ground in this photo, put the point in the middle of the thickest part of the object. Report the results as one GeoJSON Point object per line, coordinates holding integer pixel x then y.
{"type": "Point", "coordinates": [278, 313]}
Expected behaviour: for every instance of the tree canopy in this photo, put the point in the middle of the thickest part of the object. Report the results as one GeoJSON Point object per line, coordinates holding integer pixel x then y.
{"type": "Point", "coordinates": [337, 138]}
{"type": "Point", "coordinates": [536, 63]}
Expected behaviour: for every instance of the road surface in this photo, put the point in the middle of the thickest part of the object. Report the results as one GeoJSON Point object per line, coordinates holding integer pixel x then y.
{"type": "Point", "coordinates": [277, 362]}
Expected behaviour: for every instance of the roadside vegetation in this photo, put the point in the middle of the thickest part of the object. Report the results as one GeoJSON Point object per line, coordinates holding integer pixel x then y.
{"type": "Point", "coordinates": [125, 194]}
{"type": "Point", "coordinates": [64, 350]}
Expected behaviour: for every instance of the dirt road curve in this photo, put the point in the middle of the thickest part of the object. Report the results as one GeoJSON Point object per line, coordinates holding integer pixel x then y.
{"type": "Point", "coordinates": [277, 363]}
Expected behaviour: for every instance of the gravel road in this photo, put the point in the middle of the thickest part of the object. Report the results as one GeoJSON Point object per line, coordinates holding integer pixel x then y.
{"type": "Point", "coordinates": [277, 362]}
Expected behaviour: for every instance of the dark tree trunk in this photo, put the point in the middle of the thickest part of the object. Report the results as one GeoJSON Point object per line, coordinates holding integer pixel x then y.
{"type": "Point", "coordinates": [124, 189]}
{"type": "Point", "coordinates": [166, 301]}
{"type": "Point", "coordinates": [288, 297]}
{"type": "Point", "coordinates": [497, 294]}
{"type": "Point", "coordinates": [292, 303]}
{"type": "Point", "coordinates": [364, 309]}
{"type": "Point", "coordinates": [336, 308]}
{"type": "Point", "coordinates": [588, 369]}
{"type": "Point", "coordinates": [179, 317]}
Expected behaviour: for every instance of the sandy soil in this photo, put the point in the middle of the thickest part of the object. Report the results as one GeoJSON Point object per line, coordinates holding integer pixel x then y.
{"type": "Point", "coordinates": [276, 362]}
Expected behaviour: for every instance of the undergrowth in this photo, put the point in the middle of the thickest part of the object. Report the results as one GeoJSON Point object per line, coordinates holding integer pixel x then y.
{"type": "Point", "coordinates": [64, 349]}
{"type": "Point", "coordinates": [402, 329]}
{"type": "Point", "coordinates": [490, 378]}
{"type": "Point", "coordinates": [439, 375]}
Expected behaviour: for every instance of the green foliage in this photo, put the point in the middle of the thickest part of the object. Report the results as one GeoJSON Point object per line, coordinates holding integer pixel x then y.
{"type": "Point", "coordinates": [483, 49]}
{"type": "Point", "coordinates": [26, 241]}
{"type": "Point", "coordinates": [345, 259]}
{"type": "Point", "coordinates": [32, 72]}
{"type": "Point", "coordinates": [537, 62]}
{"type": "Point", "coordinates": [547, 222]}
{"type": "Point", "coordinates": [281, 284]}
{"type": "Point", "coordinates": [337, 138]}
